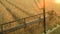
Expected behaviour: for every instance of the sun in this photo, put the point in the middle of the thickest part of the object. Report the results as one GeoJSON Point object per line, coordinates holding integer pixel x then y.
{"type": "Point", "coordinates": [57, 1]}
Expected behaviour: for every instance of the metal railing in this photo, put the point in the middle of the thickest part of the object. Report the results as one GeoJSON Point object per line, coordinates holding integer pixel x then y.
{"type": "Point", "coordinates": [28, 21]}
{"type": "Point", "coordinates": [28, 25]}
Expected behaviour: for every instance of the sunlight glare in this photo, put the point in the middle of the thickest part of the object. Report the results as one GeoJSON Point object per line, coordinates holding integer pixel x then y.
{"type": "Point", "coordinates": [57, 1]}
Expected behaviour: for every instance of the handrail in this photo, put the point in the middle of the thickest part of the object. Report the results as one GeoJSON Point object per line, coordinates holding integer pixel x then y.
{"type": "Point", "coordinates": [20, 19]}
{"type": "Point", "coordinates": [20, 26]}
